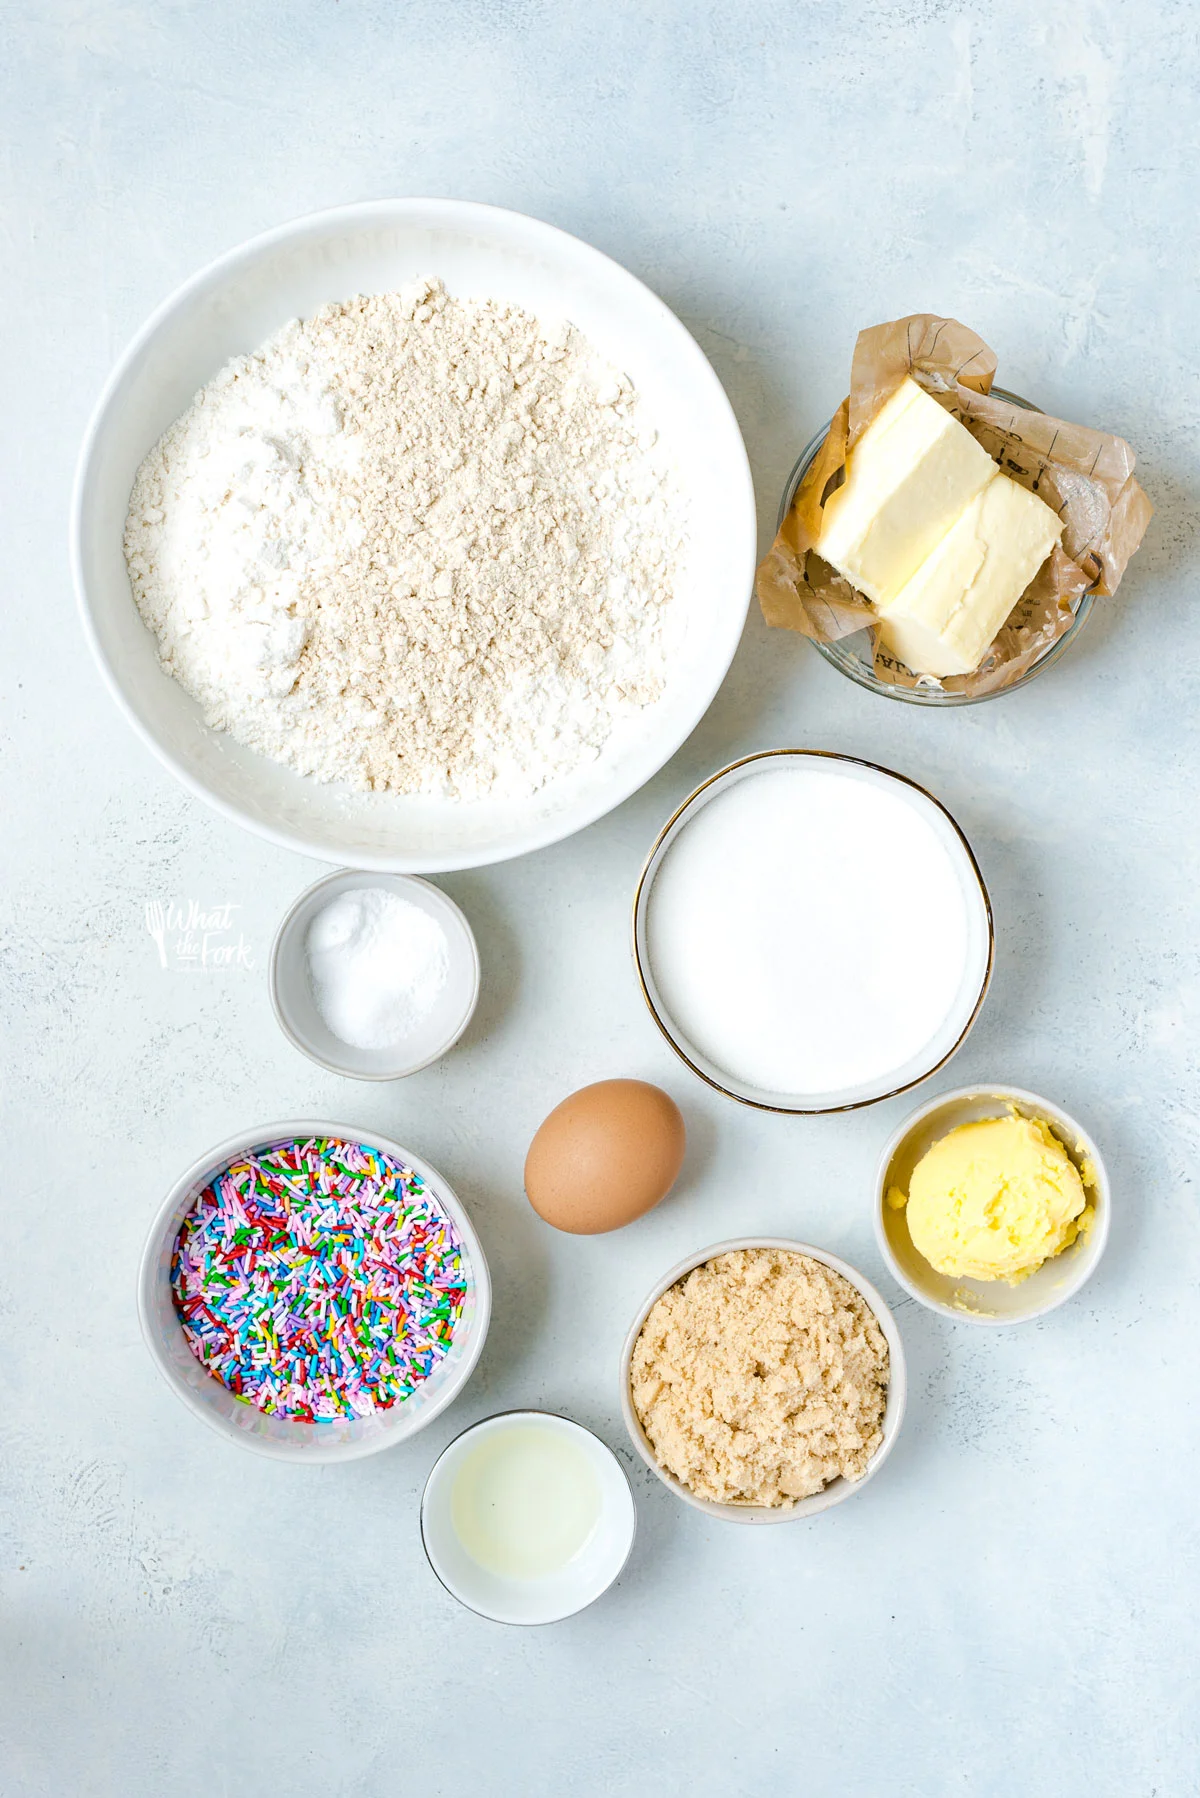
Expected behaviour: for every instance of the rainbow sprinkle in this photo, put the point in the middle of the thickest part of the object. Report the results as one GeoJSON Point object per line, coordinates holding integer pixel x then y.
{"type": "Point", "coordinates": [318, 1280]}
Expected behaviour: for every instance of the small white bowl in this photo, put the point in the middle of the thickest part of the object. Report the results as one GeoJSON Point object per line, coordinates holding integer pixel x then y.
{"type": "Point", "coordinates": [589, 1574]}
{"type": "Point", "coordinates": [291, 1438]}
{"type": "Point", "coordinates": [837, 1489]}
{"type": "Point", "coordinates": [986, 1301]}
{"type": "Point", "coordinates": [295, 1007]}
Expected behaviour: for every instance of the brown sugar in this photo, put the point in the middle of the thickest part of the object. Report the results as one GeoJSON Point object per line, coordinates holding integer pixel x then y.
{"type": "Point", "coordinates": [761, 1376]}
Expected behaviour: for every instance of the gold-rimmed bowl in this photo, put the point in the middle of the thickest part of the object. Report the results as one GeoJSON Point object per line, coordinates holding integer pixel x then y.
{"type": "Point", "coordinates": [853, 655]}
{"type": "Point", "coordinates": [978, 961]}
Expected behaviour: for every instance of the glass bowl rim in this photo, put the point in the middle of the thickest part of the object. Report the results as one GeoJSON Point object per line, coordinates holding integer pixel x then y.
{"type": "Point", "coordinates": [856, 670]}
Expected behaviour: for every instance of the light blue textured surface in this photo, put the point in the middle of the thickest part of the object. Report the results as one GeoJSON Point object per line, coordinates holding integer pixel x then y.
{"type": "Point", "coordinates": [1009, 1611]}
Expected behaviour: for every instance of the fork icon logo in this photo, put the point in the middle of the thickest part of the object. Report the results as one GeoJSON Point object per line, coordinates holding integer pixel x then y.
{"type": "Point", "coordinates": [194, 938]}
{"type": "Point", "coordinates": [156, 924]}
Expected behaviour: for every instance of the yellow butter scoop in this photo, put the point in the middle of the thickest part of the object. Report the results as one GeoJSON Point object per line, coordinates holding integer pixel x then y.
{"type": "Point", "coordinates": [993, 1200]}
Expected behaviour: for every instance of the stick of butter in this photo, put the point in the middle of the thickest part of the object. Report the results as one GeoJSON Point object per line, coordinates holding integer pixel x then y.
{"type": "Point", "coordinates": [909, 476]}
{"type": "Point", "coordinates": [943, 618]}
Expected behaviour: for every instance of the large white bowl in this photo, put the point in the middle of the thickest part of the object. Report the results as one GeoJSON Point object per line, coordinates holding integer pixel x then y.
{"type": "Point", "coordinates": [291, 1438]}
{"type": "Point", "coordinates": [229, 309]}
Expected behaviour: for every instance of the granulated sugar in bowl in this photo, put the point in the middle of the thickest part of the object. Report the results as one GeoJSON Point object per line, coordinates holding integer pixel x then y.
{"type": "Point", "coordinates": [812, 932]}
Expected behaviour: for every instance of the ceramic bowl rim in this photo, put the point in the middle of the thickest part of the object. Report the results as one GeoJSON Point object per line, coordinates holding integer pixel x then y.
{"type": "Point", "coordinates": [641, 897]}
{"type": "Point", "coordinates": [168, 1215]}
{"type": "Point", "coordinates": [474, 214]}
{"type": "Point", "coordinates": [839, 1489]}
{"type": "Point", "coordinates": [287, 922]}
{"type": "Point", "coordinates": [1064, 1124]}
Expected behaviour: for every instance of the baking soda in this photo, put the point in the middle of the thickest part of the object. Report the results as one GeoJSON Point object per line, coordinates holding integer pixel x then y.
{"type": "Point", "coordinates": [377, 965]}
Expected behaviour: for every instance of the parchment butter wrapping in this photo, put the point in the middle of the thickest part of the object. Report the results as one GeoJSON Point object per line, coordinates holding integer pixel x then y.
{"type": "Point", "coordinates": [1086, 476]}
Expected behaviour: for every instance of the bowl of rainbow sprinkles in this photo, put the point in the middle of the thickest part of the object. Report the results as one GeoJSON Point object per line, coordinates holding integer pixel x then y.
{"type": "Point", "coordinates": [314, 1292]}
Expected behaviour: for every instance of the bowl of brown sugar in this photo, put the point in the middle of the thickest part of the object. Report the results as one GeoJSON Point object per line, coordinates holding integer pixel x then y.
{"type": "Point", "coordinates": [763, 1380]}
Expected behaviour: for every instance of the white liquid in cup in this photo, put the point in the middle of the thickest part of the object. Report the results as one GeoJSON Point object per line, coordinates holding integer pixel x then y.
{"type": "Point", "coordinates": [525, 1502]}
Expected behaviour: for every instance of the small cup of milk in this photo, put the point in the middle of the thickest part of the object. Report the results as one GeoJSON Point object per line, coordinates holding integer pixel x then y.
{"type": "Point", "coordinates": [527, 1517]}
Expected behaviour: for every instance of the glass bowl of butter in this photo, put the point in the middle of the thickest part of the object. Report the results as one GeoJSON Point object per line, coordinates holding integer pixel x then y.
{"type": "Point", "coordinates": [853, 655]}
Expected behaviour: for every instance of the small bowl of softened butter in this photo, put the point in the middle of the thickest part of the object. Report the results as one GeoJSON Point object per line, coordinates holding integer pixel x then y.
{"type": "Point", "coordinates": [854, 656]}
{"type": "Point", "coordinates": [991, 1205]}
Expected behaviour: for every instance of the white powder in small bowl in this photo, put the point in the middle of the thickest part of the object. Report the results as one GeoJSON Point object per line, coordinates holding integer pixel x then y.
{"type": "Point", "coordinates": [377, 964]}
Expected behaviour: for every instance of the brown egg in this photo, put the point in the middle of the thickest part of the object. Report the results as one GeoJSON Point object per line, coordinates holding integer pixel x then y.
{"type": "Point", "coordinates": [604, 1156]}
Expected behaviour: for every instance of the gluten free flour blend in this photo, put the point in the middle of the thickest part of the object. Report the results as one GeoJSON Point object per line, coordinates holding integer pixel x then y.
{"type": "Point", "coordinates": [414, 543]}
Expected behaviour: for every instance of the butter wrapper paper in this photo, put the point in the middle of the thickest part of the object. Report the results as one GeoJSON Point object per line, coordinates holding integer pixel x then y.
{"type": "Point", "coordinates": [1085, 475]}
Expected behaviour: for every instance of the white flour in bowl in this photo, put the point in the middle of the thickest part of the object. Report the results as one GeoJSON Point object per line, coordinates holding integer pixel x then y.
{"type": "Point", "coordinates": [414, 543]}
